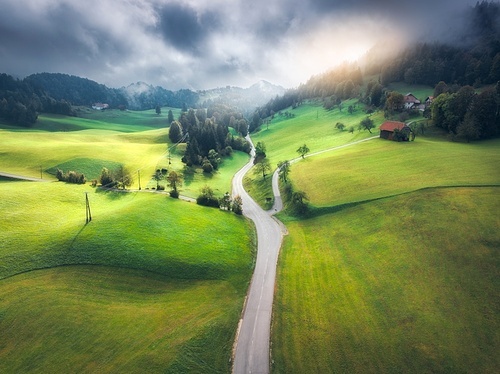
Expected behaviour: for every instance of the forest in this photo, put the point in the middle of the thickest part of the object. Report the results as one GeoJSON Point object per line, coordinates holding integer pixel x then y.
{"type": "Point", "coordinates": [21, 102]}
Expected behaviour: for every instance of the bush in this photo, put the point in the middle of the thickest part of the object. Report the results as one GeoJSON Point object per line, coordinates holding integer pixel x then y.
{"type": "Point", "coordinates": [174, 194]}
{"type": "Point", "coordinates": [207, 198]}
{"type": "Point", "coordinates": [207, 201]}
{"type": "Point", "coordinates": [70, 177]}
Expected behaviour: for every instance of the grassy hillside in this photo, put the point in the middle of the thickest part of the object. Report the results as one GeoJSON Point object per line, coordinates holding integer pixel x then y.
{"type": "Point", "coordinates": [151, 283]}
{"type": "Point", "coordinates": [382, 168]}
{"type": "Point", "coordinates": [404, 281]}
{"type": "Point", "coordinates": [314, 126]}
{"type": "Point", "coordinates": [99, 319]}
{"type": "Point", "coordinates": [106, 144]}
{"type": "Point", "coordinates": [404, 284]}
{"type": "Point", "coordinates": [177, 281]}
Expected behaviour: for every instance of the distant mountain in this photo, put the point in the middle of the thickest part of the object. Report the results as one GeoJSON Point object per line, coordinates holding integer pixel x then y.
{"type": "Point", "coordinates": [141, 96]}
{"type": "Point", "coordinates": [247, 99]}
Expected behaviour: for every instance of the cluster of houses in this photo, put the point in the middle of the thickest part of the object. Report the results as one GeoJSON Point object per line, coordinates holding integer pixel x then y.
{"type": "Point", "coordinates": [411, 102]}
{"type": "Point", "coordinates": [389, 129]}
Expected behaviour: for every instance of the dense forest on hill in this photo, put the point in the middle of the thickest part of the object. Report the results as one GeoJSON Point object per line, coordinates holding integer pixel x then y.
{"type": "Point", "coordinates": [20, 102]}
{"type": "Point", "coordinates": [137, 96]}
{"type": "Point", "coordinates": [454, 69]}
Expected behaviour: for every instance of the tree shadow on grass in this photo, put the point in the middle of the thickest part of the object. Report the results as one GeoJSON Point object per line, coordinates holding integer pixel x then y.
{"type": "Point", "coordinates": [319, 211]}
{"type": "Point", "coordinates": [112, 193]}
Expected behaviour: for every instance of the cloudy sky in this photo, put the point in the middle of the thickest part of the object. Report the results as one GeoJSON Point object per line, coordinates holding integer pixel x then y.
{"type": "Point", "coordinates": [201, 44]}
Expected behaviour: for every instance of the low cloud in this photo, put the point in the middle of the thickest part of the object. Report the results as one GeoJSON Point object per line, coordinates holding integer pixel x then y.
{"type": "Point", "coordinates": [202, 44]}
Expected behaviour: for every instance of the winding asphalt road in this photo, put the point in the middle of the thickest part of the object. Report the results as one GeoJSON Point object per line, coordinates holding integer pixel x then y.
{"type": "Point", "coordinates": [251, 354]}
{"type": "Point", "coordinates": [252, 342]}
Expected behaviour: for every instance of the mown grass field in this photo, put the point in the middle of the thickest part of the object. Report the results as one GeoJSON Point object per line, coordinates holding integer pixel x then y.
{"type": "Point", "coordinates": [150, 284]}
{"type": "Point", "coordinates": [404, 284]}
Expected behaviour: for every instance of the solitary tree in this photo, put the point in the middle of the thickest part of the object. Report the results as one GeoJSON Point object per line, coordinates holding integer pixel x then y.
{"type": "Point", "coordinates": [367, 124]}
{"type": "Point", "coordinates": [260, 152]}
{"type": "Point", "coordinates": [158, 109]}
{"type": "Point", "coordinates": [262, 167]}
{"type": "Point", "coordinates": [123, 177]}
{"type": "Point", "coordinates": [303, 150]}
{"type": "Point", "coordinates": [225, 201]}
{"type": "Point", "coordinates": [340, 126]}
{"type": "Point", "coordinates": [174, 180]}
{"type": "Point", "coordinates": [284, 170]}
{"type": "Point", "coordinates": [170, 116]}
{"type": "Point", "coordinates": [237, 206]}
{"type": "Point", "coordinates": [106, 178]}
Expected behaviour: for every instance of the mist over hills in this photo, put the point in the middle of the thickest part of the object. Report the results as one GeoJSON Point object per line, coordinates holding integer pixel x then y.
{"type": "Point", "coordinates": [142, 96]}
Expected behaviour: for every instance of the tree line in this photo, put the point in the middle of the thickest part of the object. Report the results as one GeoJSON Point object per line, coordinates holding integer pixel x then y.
{"type": "Point", "coordinates": [21, 102]}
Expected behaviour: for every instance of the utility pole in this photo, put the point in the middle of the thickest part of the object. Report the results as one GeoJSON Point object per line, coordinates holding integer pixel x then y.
{"type": "Point", "coordinates": [88, 215]}
{"type": "Point", "coordinates": [139, 176]}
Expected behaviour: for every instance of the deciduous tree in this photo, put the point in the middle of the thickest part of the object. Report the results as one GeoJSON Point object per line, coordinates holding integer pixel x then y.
{"type": "Point", "coordinates": [303, 150]}
{"type": "Point", "coordinates": [262, 167]}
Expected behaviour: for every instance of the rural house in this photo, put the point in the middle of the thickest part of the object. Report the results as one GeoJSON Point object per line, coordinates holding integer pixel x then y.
{"type": "Point", "coordinates": [389, 128]}
{"type": "Point", "coordinates": [100, 106]}
{"type": "Point", "coordinates": [411, 102]}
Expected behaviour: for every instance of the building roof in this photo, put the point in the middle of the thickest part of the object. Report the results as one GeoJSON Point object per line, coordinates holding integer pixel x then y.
{"type": "Point", "coordinates": [392, 125]}
{"type": "Point", "coordinates": [410, 98]}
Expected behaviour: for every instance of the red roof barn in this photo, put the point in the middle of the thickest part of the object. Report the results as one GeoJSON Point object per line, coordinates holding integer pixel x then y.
{"type": "Point", "coordinates": [388, 128]}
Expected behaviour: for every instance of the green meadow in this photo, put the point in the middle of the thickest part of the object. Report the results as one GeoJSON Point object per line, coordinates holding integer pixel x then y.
{"type": "Point", "coordinates": [150, 284]}
{"type": "Point", "coordinates": [406, 284]}
{"type": "Point", "coordinates": [396, 267]}
{"type": "Point", "coordinates": [137, 140]}
{"type": "Point", "coordinates": [379, 168]}
{"type": "Point", "coordinates": [314, 126]}
{"type": "Point", "coordinates": [311, 125]}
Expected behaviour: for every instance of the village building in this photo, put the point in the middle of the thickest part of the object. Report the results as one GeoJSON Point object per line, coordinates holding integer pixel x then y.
{"type": "Point", "coordinates": [100, 106]}
{"type": "Point", "coordinates": [410, 101]}
{"type": "Point", "coordinates": [389, 128]}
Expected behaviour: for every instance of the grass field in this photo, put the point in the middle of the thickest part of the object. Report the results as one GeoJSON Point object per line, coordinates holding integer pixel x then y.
{"type": "Point", "coordinates": [178, 279]}
{"type": "Point", "coordinates": [150, 284]}
{"type": "Point", "coordinates": [390, 272]}
{"type": "Point", "coordinates": [91, 319]}
{"type": "Point", "coordinates": [404, 284]}
{"type": "Point", "coordinates": [380, 168]}
{"type": "Point", "coordinates": [314, 126]}
{"type": "Point", "coordinates": [55, 143]}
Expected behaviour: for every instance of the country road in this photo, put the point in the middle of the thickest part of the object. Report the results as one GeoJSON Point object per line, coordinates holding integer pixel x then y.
{"type": "Point", "coordinates": [23, 178]}
{"type": "Point", "coordinates": [252, 341]}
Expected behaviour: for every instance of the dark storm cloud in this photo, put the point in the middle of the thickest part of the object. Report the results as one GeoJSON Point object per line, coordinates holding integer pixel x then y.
{"type": "Point", "coordinates": [180, 27]}
{"type": "Point", "coordinates": [206, 43]}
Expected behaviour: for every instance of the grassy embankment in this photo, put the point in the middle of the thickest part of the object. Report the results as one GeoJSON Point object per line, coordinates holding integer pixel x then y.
{"type": "Point", "coordinates": [387, 275]}
{"type": "Point", "coordinates": [155, 284]}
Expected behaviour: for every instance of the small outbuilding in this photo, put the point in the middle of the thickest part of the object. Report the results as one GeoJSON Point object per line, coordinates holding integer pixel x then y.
{"type": "Point", "coordinates": [389, 128]}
